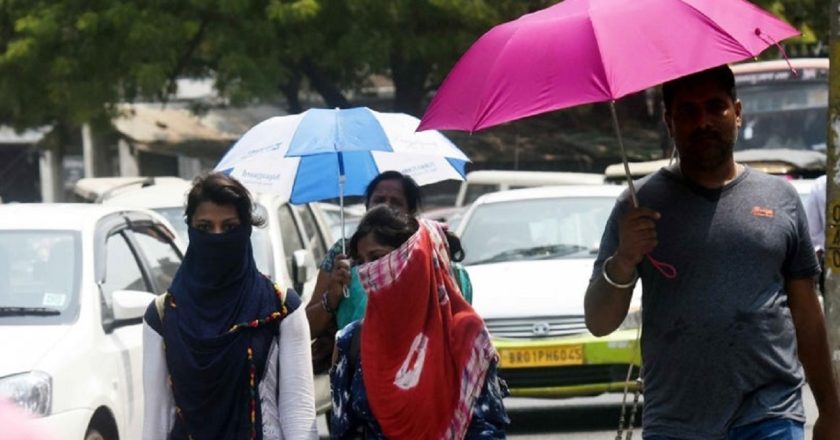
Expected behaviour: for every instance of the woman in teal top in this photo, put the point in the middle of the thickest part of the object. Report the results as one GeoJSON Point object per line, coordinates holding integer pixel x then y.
{"type": "Point", "coordinates": [330, 308]}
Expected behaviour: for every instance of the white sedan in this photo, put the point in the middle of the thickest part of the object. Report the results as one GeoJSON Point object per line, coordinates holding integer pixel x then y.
{"type": "Point", "coordinates": [75, 281]}
{"type": "Point", "coordinates": [529, 254]}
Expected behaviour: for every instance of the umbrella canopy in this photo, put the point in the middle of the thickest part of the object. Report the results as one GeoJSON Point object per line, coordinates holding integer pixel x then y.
{"type": "Point", "coordinates": [322, 153]}
{"type": "Point", "coordinates": [584, 51]}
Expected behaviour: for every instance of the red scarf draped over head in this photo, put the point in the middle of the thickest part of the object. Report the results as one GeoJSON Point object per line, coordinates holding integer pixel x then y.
{"type": "Point", "coordinates": [424, 350]}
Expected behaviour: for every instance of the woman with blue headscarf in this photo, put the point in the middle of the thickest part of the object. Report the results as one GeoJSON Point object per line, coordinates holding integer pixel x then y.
{"type": "Point", "coordinates": [225, 351]}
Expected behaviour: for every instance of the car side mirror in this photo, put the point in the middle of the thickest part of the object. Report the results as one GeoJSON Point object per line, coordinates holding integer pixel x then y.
{"type": "Point", "coordinates": [300, 268]}
{"type": "Point", "coordinates": [130, 305]}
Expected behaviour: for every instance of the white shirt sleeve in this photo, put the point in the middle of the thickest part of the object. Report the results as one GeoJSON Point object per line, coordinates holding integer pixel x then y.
{"type": "Point", "coordinates": [158, 403]}
{"type": "Point", "coordinates": [296, 399]}
{"type": "Point", "coordinates": [815, 213]}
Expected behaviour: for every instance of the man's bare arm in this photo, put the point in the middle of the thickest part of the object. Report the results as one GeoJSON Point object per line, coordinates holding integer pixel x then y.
{"type": "Point", "coordinates": [812, 344]}
{"type": "Point", "coordinates": [605, 305]}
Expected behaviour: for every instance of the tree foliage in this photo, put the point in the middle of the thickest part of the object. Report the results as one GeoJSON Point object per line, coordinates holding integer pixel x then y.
{"type": "Point", "coordinates": [72, 60]}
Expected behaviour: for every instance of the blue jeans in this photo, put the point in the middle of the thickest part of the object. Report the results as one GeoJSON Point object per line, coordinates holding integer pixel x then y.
{"type": "Point", "coordinates": [770, 429]}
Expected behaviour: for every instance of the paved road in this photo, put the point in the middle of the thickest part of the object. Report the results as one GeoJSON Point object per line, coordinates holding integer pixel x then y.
{"type": "Point", "coordinates": [593, 418]}
{"type": "Point", "coordinates": [585, 419]}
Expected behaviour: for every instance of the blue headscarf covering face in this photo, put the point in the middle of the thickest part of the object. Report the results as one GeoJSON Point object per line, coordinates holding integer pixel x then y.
{"type": "Point", "coordinates": [216, 287]}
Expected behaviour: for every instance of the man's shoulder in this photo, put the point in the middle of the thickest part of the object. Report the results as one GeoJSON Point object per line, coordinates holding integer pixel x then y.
{"type": "Point", "coordinates": [770, 183]}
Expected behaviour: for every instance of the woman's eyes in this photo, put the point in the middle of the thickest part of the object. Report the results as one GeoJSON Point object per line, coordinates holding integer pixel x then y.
{"type": "Point", "coordinates": [227, 227]}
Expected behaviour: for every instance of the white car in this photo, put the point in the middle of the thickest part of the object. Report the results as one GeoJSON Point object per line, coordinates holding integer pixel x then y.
{"type": "Point", "coordinates": [75, 281]}
{"type": "Point", "coordinates": [529, 254]}
{"type": "Point", "coordinates": [288, 248]}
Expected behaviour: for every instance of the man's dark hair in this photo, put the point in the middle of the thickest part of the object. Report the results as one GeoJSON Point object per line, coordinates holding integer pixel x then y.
{"type": "Point", "coordinates": [720, 75]}
{"type": "Point", "coordinates": [411, 189]}
{"type": "Point", "coordinates": [221, 189]}
{"type": "Point", "coordinates": [388, 226]}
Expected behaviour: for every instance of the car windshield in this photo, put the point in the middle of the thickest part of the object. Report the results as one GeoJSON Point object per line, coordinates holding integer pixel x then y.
{"type": "Point", "coordinates": [788, 114]}
{"type": "Point", "coordinates": [567, 227]}
{"type": "Point", "coordinates": [39, 276]}
{"type": "Point", "coordinates": [476, 190]}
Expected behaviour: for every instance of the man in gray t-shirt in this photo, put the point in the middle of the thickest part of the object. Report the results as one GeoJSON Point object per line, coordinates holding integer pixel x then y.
{"type": "Point", "coordinates": [723, 340]}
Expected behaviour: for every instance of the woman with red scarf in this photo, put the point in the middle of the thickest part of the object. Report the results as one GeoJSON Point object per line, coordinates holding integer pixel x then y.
{"type": "Point", "coordinates": [420, 365]}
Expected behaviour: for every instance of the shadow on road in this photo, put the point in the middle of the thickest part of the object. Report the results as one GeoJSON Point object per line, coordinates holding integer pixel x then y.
{"type": "Point", "coordinates": [558, 419]}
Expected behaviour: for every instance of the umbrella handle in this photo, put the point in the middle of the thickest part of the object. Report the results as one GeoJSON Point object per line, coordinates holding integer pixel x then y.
{"type": "Point", "coordinates": [667, 270]}
{"type": "Point", "coordinates": [341, 180]}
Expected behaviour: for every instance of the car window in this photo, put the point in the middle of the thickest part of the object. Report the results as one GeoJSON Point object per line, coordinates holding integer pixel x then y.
{"type": "Point", "coordinates": [315, 239]}
{"type": "Point", "coordinates": [39, 269]}
{"type": "Point", "coordinates": [784, 115]}
{"type": "Point", "coordinates": [261, 245]}
{"type": "Point", "coordinates": [161, 255]}
{"type": "Point", "coordinates": [121, 271]}
{"type": "Point", "coordinates": [176, 218]}
{"type": "Point", "coordinates": [289, 234]}
{"type": "Point", "coordinates": [476, 190]}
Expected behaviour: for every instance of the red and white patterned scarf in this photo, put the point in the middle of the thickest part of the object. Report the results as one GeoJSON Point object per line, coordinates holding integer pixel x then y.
{"type": "Point", "coordinates": [424, 350]}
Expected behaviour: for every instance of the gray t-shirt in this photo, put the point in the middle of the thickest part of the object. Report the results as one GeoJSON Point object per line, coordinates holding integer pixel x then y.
{"type": "Point", "coordinates": [718, 341]}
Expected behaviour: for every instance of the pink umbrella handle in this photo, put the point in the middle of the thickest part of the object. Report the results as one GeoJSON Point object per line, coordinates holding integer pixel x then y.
{"type": "Point", "coordinates": [667, 270]}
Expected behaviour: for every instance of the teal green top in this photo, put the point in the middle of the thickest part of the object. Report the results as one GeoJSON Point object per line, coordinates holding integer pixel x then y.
{"type": "Point", "coordinates": [353, 307]}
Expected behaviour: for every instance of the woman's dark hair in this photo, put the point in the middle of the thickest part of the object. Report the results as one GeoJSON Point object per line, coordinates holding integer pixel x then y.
{"type": "Point", "coordinates": [720, 75]}
{"type": "Point", "coordinates": [411, 189]}
{"type": "Point", "coordinates": [221, 189]}
{"type": "Point", "coordinates": [456, 251]}
{"type": "Point", "coordinates": [388, 226]}
{"type": "Point", "coordinates": [392, 228]}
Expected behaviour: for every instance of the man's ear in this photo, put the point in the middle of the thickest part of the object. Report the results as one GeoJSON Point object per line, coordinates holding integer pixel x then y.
{"type": "Point", "coordinates": [738, 113]}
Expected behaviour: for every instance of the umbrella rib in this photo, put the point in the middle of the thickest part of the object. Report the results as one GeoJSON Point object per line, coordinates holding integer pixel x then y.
{"type": "Point", "coordinates": [485, 110]}
{"type": "Point", "coordinates": [601, 55]}
{"type": "Point", "coordinates": [722, 30]}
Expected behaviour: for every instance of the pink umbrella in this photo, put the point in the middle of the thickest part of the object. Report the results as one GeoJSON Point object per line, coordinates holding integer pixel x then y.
{"type": "Point", "coordinates": [584, 51]}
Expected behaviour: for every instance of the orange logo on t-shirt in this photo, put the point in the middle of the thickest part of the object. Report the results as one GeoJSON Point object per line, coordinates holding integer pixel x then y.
{"type": "Point", "coordinates": [762, 212]}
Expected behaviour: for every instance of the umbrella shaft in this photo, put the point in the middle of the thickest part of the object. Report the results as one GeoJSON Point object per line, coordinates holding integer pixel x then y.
{"type": "Point", "coordinates": [623, 155]}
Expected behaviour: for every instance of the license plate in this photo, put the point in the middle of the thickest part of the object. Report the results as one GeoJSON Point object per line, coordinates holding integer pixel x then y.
{"type": "Point", "coordinates": [541, 357]}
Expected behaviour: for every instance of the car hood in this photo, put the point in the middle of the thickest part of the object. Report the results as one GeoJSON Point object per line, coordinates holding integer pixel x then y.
{"type": "Point", "coordinates": [530, 288]}
{"type": "Point", "coordinates": [25, 345]}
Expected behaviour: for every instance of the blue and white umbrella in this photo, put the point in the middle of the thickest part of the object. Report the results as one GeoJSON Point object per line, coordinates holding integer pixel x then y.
{"type": "Point", "coordinates": [323, 154]}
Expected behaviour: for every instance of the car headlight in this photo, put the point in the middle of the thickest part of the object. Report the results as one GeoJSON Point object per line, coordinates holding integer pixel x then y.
{"type": "Point", "coordinates": [632, 321]}
{"type": "Point", "coordinates": [32, 391]}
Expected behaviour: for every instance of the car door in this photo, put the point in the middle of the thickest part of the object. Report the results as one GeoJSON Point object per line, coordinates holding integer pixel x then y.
{"type": "Point", "coordinates": [315, 235]}
{"type": "Point", "coordinates": [159, 259]}
{"type": "Point", "coordinates": [122, 342]}
{"type": "Point", "coordinates": [292, 238]}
